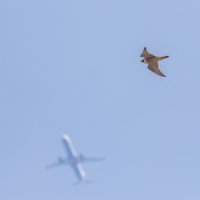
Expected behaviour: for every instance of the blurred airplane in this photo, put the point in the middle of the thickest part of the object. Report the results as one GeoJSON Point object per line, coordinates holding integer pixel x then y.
{"type": "Point", "coordinates": [74, 160]}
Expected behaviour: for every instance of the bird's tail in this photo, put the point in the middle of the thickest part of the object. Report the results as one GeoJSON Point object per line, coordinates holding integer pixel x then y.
{"type": "Point", "coordinates": [163, 57]}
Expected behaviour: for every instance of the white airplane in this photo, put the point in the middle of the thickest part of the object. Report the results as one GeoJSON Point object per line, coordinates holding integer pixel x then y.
{"type": "Point", "coordinates": [74, 160]}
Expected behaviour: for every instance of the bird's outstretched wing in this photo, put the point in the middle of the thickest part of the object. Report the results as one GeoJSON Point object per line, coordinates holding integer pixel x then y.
{"type": "Point", "coordinates": [145, 54]}
{"type": "Point", "coordinates": [154, 68]}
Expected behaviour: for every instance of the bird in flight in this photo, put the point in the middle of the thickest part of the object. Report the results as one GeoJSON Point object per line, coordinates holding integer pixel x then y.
{"type": "Point", "coordinates": [152, 62]}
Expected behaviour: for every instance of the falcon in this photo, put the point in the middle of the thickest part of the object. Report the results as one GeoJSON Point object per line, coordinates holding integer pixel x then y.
{"type": "Point", "coordinates": [152, 62]}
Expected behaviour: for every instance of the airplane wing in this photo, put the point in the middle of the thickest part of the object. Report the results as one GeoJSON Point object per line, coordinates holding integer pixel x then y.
{"type": "Point", "coordinates": [60, 162]}
{"type": "Point", "coordinates": [90, 159]}
{"type": "Point", "coordinates": [54, 165]}
{"type": "Point", "coordinates": [95, 159]}
{"type": "Point", "coordinates": [69, 147]}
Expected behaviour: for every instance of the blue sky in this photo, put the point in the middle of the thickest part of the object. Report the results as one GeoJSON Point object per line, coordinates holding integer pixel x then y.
{"type": "Point", "coordinates": [73, 67]}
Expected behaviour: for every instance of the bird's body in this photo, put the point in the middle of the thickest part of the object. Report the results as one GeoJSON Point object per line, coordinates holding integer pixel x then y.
{"type": "Point", "coordinates": [152, 61]}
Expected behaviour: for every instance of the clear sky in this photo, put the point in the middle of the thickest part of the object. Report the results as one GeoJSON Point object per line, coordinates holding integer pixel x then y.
{"type": "Point", "coordinates": [73, 67]}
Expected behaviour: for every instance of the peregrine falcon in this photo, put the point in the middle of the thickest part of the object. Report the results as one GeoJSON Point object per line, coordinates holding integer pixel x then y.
{"type": "Point", "coordinates": [152, 61]}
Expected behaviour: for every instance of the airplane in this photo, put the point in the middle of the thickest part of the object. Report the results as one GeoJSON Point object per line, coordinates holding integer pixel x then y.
{"type": "Point", "coordinates": [74, 160]}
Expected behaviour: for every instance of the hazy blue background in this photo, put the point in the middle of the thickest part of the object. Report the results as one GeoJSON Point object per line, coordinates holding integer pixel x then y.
{"type": "Point", "coordinates": [73, 67]}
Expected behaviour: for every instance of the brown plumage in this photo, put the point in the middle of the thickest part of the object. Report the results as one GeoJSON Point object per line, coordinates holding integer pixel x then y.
{"type": "Point", "coordinates": [152, 62]}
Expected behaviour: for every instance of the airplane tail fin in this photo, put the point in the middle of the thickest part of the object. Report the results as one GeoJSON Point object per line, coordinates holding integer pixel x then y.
{"type": "Point", "coordinates": [83, 182]}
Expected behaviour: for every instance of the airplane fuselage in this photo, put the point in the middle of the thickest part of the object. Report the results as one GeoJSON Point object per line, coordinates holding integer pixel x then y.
{"type": "Point", "coordinates": [73, 158]}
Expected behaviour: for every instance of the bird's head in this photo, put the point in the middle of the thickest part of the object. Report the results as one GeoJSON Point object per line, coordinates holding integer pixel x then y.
{"type": "Point", "coordinates": [142, 61]}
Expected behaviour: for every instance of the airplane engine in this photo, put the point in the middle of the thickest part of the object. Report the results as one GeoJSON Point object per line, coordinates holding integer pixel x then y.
{"type": "Point", "coordinates": [60, 160]}
{"type": "Point", "coordinates": [82, 157]}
